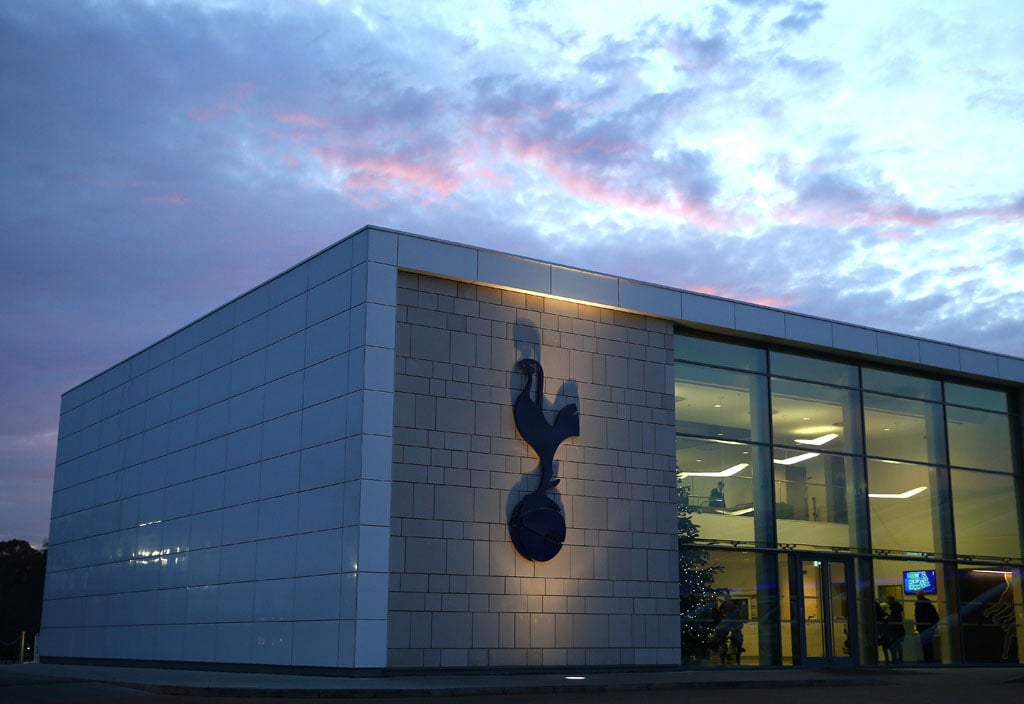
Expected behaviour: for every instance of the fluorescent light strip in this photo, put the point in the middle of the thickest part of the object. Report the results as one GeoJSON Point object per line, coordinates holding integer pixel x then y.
{"type": "Point", "coordinates": [741, 512]}
{"type": "Point", "coordinates": [798, 458]}
{"type": "Point", "coordinates": [905, 495]}
{"type": "Point", "coordinates": [818, 441]}
{"type": "Point", "coordinates": [735, 469]}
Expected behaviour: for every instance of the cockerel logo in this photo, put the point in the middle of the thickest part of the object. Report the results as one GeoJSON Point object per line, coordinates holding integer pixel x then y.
{"type": "Point", "coordinates": [537, 525]}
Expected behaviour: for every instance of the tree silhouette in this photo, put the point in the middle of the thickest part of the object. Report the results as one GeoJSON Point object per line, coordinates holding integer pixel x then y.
{"type": "Point", "coordinates": [22, 572]}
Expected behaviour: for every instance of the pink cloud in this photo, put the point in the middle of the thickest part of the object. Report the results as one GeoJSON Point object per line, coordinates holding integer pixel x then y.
{"type": "Point", "coordinates": [299, 119]}
{"type": "Point", "coordinates": [739, 295]}
{"type": "Point", "coordinates": [232, 100]}
{"type": "Point", "coordinates": [167, 199]}
{"type": "Point", "coordinates": [898, 235]}
{"type": "Point", "coordinates": [601, 187]}
{"type": "Point", "coordinates": [880, 214]}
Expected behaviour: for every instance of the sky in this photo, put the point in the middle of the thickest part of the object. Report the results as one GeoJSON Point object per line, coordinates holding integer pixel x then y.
{"type": "Point", "coordinates": [858, 160]}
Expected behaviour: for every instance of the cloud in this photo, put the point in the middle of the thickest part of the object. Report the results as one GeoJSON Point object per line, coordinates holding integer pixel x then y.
{"type": "Point", "coordinates": [801, 17]}
{"type": "Point", "coordinates": [175, 155]}
{"type": "Point", "coordinates": [695, 53]}
{"type": "Point", "coordinates": [235, 100]}
{"type": "Point", "coordinates": [167, 199]}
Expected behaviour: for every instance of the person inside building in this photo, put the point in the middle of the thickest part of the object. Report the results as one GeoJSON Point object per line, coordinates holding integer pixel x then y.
{"type": "Point", "coordinates": [728, 631]}
{"type": "Point", "coordinates": [882, 629]}
{"type": "Point", "coordinates": [896, 630]}
{"type": "Point", "coordinates": [717, 497]}
{"type": "Point", "coordinates": [926, 619]}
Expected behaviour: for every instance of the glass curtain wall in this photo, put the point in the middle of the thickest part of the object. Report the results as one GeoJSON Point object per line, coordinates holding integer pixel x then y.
{"type": "Point", "coordinates": [916, 478]}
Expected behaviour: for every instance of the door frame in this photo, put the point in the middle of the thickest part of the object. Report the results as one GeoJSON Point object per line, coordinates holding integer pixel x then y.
{"type": "Point", "coordinates": [828, 564]}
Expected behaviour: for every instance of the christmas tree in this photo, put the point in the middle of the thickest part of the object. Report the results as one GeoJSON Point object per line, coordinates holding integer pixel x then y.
{"type": "Point", "coordinates": [697, 596]}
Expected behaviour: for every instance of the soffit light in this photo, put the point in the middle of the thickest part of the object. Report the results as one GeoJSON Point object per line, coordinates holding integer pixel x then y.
{"type": "Point", "coordinates": [819, 441]}
{"type": "Point", "coordinates": [735, 469]}
{"type": "Point", "coordinates": [798, 458]}
{"type": "Point", "coordinates": [905, 495]}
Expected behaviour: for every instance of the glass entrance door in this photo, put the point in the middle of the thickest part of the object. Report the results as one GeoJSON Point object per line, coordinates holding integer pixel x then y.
{"type": "Point", "coordinates": [824, 623]}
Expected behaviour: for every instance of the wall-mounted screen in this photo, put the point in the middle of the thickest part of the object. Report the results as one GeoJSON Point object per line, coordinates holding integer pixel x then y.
{"type": "Point", "coordinates": [915, 581]}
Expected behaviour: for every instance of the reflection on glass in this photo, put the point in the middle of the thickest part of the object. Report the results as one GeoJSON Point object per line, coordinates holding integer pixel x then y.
{"type": "Point", "coordinates": [720, 354]}
{"type": "Point", "coordinates": [901, 384]}
{"type": "Point", "coordinates": [814, 416]}
{"type": "Point", "coordinates": [976, 397]}
{"type": "Point", "coordinates": [901, 580]}
{"type": "Point", "coordinates": [811, 369]}
{"type": "Point", "coordinates": [839, 609]}
{"type": "Point", "coordinates": [902, 506]}
{"type": "Point", "coordinates": [903, 429]}
{"type": "Point", "coordinates": [813, 610]}
{"type": "Point", "coordinates": [979, 439]}
{"type": "Point", "coordinates": [720, 403]}
{"type": "Point", "coordinates": [990, 609]}
{"type": "Point", "coordinates": [986, 514]}
{"type": "Point", "coordinates": [716, 479]}
{"type": "Point", "coordinates": [815, 501]}
{"type": "Point", "coordinates": [721, 620]}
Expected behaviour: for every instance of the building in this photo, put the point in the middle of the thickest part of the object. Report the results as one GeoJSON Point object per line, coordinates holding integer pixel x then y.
{"type": "Point", "coordinates": [325, 472]}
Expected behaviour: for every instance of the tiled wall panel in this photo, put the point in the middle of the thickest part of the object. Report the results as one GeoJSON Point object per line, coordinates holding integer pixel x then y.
{"type": "Point", "coordinates": [460, 594]}
{"type": "Point", "coordinates": [209, 491]}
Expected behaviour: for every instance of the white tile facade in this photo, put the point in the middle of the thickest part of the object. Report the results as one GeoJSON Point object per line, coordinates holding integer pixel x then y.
{"type": "Point", "coordinates": [222, 495]}
{"type": "Point", "coordinates": [460, 594]}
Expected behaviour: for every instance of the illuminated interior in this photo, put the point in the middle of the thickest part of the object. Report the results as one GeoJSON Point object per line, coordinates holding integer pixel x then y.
{"type": "Point", "coordinates": [809, 487]}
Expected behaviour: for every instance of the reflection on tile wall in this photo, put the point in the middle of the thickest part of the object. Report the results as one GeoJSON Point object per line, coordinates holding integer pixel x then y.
{"type": "Point", "coordinates": [208, 491]}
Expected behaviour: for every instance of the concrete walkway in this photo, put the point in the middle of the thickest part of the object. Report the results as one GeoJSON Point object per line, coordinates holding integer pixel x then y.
{"type": "Point", "coordinates": [439, 684]}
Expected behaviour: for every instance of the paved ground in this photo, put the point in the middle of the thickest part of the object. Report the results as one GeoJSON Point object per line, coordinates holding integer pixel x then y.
{"type": "Point", "coordinates": [51, 684]}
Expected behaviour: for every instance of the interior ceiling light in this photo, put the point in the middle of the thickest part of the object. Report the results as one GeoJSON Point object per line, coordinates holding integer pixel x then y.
{"type": "Point", "coordinates": [742, 511]}
{"type": "Point", "coordinates": [818, 441]}
{"type": "Point", "coordinates": [905, 495]}
{"type": "Point", "coordinates": [798, 458]}
{"type": "Point", "coordinates": [735, 469]}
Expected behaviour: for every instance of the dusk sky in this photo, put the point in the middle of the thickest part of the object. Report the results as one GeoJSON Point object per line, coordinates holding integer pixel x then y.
{"type": "Point", "coordinates": [858, 160]}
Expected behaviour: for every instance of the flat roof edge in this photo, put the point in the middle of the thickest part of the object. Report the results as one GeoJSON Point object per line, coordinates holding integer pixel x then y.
{"type": "Point", "coordinates": [472, 264]}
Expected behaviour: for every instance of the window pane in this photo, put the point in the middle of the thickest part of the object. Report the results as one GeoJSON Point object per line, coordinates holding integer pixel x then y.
{"type": "Point", "coordinates": [902, 580]}
{"type": "Point", "coordinates": [813, 369]}
{"type": "Point", "coordinates": [986, 514]}
{"type": "Point", "coordinates": [720, 403]}
{"type": "Point", "coordinates": [722, 354]}
{"type": "Point", "coordinates": [901, 384]}
{"type": "Point", "coordinates": [814, 417]}
{"type": "Point", "coordinates": [902, 504]}
{"type": "Point", "coordinates": [815, 502]}
{"type": "Point", "coordinates": [988, 399]}
{"type": "Point", "coordinates": [715, 481]}
{"type": "Point", "coordinates": [904, 429]}
{"type": "Point", "coordinates": [979, 439]}
{"type": "Point", "coordinates": [728, 601]}
{"type": "Point", "coordinates": [990, 611]}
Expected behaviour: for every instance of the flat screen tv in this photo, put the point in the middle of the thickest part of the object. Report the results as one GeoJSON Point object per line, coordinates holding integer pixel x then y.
{"type": "Point", "coordinates": [915, 581]}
